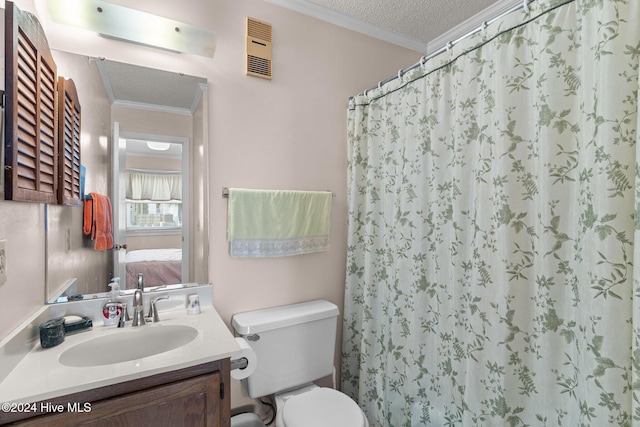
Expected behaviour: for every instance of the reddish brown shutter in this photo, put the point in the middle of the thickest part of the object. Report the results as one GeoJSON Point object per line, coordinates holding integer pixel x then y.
{"type": "Point", "coordinates": [68, 143]}
{"type": "Point", "coordinates": [31, 120]}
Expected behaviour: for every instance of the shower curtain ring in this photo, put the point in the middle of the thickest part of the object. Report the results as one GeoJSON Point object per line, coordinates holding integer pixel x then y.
{"type": "Point", "coordinates": [399, 73]}
{"type": "Point", "coordinates": [525, 4]}
{"type": "Point", "coordinates": [379, 84]}
{"type": "Point", "coordinates": [485, 26]}
{"type": "Point", "coordinates": [423, 60]}
{"type": "Point", "coordinates": [449, 46]}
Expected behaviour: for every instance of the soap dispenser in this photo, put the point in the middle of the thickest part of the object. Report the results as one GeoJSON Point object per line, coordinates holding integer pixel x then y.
{"type": "Point", "coordinates": [112, 310]}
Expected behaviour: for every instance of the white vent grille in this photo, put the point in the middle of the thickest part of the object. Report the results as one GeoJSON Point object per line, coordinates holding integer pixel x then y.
{"type": "Point", "coordinates": [259, 61]}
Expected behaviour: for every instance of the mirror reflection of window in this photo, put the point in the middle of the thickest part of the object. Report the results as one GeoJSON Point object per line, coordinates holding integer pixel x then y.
{"type": "Point", "coordinates": [154, 200]}
{"type": "Point", "coordinates": [154, 215]}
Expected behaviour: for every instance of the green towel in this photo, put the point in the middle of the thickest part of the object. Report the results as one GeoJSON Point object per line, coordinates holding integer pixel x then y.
{"type": "Point", "coordinates": [263, 223]}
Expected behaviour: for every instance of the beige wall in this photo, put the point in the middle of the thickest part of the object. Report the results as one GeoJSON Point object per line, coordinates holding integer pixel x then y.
{"type": "Point", "coordinates": [91, 268]}
{"type": "Point", "coordinates": [154, 163]}
{"type": "Point", "coordinates": [173, 241]}
{"type": "Point", "coordinates": [287, 133]}
{"type": "Point", "coordinates": [22, 227]}
{"type": "Point", "coordinates": [152, 122]}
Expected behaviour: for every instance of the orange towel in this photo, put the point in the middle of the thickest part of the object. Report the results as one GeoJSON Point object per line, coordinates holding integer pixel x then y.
{"type": "Point", "coordinates": [87, 225]}
{"type": "Point", "coordinates": [98, 221]}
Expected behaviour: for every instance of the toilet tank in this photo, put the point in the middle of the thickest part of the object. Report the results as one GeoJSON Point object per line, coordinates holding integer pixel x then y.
{"type": "Point", "coordinates": [294, 344]}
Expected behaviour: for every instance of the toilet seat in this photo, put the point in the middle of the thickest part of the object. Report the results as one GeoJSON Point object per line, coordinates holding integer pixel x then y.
{"type": "Point", "coordinates": [322, 407]}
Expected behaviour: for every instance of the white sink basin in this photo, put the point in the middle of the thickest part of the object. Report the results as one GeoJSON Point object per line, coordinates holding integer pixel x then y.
{"type": "Point", "coordinates": [128, 344]}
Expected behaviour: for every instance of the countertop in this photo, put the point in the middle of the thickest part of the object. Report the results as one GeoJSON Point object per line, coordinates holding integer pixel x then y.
{"type": "Point", "coordinates": [40, 376]}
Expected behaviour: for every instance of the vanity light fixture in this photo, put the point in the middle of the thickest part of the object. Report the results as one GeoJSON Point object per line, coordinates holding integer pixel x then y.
{"type": "Point", "coordinates": [134, 26]}
{"type": "Point", "coordinates": [158, 146]}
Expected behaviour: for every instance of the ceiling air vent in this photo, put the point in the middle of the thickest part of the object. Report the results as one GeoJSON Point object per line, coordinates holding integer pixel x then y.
{"type": "Point", "coordinates": [258, 48]}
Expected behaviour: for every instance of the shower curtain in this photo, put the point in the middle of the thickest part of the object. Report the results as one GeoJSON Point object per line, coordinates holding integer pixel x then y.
{"type": "Point", "coordinates": [493, 193]}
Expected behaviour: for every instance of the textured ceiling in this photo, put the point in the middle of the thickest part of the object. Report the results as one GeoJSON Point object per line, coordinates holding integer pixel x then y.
{"type": "Point", "coordinates": [422, 20]}
{"type": "Point", "coordinates": [131, 84]}
{"type": "Point", "coordinates": [422, 25]}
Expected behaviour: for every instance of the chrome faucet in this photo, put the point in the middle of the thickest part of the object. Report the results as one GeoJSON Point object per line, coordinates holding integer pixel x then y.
{"type": "Point", "coordinates": [153, 311]}
{"type": "Point", "coordinates": [138, 308]}
{"type": "Point", "coordinates": [141, 282]}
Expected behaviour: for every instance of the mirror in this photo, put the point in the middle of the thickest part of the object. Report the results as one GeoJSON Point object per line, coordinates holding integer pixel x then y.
{"type": "Point", "coordinates": [130, 114]}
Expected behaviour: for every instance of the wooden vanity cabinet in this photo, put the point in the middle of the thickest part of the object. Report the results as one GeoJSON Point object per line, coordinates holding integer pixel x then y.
{"type": "Point", "coordinates": [194, 396]}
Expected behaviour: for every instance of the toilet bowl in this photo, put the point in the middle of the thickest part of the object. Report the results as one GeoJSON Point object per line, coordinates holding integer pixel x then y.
{"type": "Point", "coordinates": [295, 345]}
{"type": "Point", "coordinates": [246, 420]}
{"type": "Point", "coordinates": [314, 406]}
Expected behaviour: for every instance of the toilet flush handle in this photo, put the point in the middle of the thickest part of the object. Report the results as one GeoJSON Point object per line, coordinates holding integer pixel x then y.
{"type": "Point", "coordinates": [254, 337]}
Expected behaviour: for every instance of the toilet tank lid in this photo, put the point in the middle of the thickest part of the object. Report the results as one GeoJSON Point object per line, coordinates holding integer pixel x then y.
{"type": "Point", "coordinates": [253, 322]}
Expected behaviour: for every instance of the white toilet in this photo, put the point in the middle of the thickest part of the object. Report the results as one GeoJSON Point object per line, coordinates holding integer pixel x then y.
{"type": "Point", "coordinates": [294, 346]}
{"type": "Point", "coordinates": [246, 420]}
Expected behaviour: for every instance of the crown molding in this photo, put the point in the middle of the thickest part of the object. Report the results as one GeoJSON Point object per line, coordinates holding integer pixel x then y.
{"type": "Point", "coordinates": [328, 15]}
{"type": "Point", "coordinates": [152, 107]}
{"type": "Point", "coordinates": [325, 14]}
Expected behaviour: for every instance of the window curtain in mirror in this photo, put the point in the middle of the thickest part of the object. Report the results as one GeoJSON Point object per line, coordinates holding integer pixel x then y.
{"type": "Point", "coordinates": [493, 193]}
{"type": "Point", "coordinates": [153, 186]}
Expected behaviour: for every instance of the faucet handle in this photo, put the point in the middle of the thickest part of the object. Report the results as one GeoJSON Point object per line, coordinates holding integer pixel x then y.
{"type": "Point", "coordinates": [153, 311]}
{"type": "Point", "coordinates": [124, 316]}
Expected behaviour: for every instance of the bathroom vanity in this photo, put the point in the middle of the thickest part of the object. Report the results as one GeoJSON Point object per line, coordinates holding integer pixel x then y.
{"type": "Point", "coordinates": [195, 396]}
{"type": "Point", "coordinates": [136, 381]}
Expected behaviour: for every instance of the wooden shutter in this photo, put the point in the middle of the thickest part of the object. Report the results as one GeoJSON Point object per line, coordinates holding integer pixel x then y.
{"type": "Point", "coordinates": [68, 143]}
{"type": "Point", "coordinates": [31, 137]}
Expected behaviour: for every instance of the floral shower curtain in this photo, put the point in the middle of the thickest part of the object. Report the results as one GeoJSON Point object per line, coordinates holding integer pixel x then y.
{"type": "Point", "coordinates": [492, 224]}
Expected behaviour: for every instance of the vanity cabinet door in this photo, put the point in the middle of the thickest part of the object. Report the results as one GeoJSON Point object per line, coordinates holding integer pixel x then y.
{"type": "Point", "coordinates": [187, 403]}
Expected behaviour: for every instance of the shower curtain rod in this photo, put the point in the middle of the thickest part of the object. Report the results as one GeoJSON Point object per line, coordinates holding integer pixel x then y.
{"type": "Point", "coordinates": [524, 4]}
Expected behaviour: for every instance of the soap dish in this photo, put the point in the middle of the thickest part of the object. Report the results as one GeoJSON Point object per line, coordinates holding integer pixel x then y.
{"type": "Point", "coordinates": [75, 324]}
{"type": "Point", "coordinates": [52, 332]}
